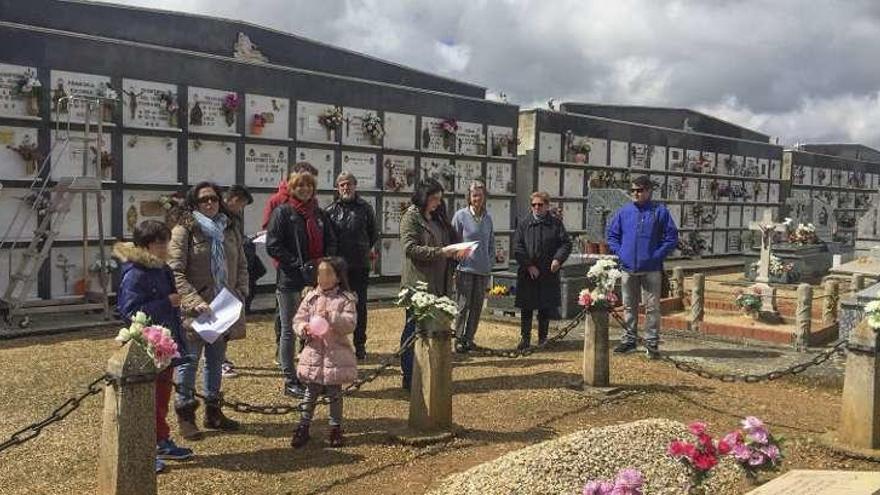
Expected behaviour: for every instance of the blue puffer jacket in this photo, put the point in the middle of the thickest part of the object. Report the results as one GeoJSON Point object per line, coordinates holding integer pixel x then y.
{"type": "Point", "coordinates": [146, 284]}
{"type": "Point", "coordinates": [642, 236]}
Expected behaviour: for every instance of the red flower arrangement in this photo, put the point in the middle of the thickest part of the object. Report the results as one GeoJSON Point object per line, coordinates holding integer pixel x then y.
{"type": "Point", "coordinates": [700, 456]}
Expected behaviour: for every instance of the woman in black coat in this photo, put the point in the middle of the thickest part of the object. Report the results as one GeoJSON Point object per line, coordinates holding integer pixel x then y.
{"type": "Point", "coordinates": [540, 246]}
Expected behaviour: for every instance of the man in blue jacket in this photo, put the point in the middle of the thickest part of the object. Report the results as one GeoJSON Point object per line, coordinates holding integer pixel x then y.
{"type": "Point", "coordinates": [641, 234]}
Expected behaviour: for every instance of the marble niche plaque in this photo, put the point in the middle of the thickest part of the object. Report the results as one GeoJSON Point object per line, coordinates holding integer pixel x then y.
{"type": "Point", "coordinates": [709, 162]}
{"type": "Point", "coordinates": [434, 139]}
{"type": "Point", "coordinates": [573, 183]}
{"type": "Point", "coordinates": [499, 178]}
{"type": "Point", "coordinates": [353, 131]}
{"type": "Point", "coordinates": [500, 210]}
{"type": "Point", "coordinates": [399, 173]}
{"type": "Point", "coordinates": [734, 216]}
{"type": "Point", "coordinates": [598, 152]}
{"type": "Point", "coordinates": [619, 153]}
{"type": "Point", "coordinates": [400, 131]}
{"type": "Point", "coordinates": [693, 161]}
{"type": "Point", "coordinates": [775, 169]}
{"type": "Point", "coordinates": [208, 114]}
{"type": "Point", "coordinates": [71, 227]}
{"type": "Point", "coordinates": [363, 166]}
{"type": "Point", "coordinates": [150, 105]}
{"type": "Point", "coordinates": [719, 244]}
{"type": "Point", "coordinates": [308, 123]}
{"type": "Point", "coordinates": [264, 165]}
{"type": "Point", "coordinates": [10, 201]}
{"type": "Point", "coordinates": [764, 167]}
{"type": "Point", "coordinates": [8, 267]}
{"type": "Point", "coordinates": [573, 216]}
{"type": "Point", "coordinates": [465, 172]}
{"type": "Point", "coordinates": [139, 205]}
{"type": "Point", "coordinates": [12, 103]}
{"type": "Point", "coordinates": [734, 241]}
{"type": "Point", "coordinates": [658, 158]}
{"type": "Point", "coordinates": [211, 160]}
{"type": "Point", "coordinates": [640, 155]}
{"type": "Point", "coordinates": [502, 252]}
{"type": "Point", "coordinates": [12, 165]}
{"type": "Point", "coordinates": [501, 141]}
{"type": "Point", "coordinates": [676, 159]}
{"type": "Point", "coordinates": [82, 85]}
{"type": "Point", "coordinates": [392, 209]}
{"type": "Point", "coordinates": [324, 161]}
{"type": "Point", "coordinates": [66, 270]}
{"type": "Point", "coordinates": [390, 257]}
{"type": "Point", "coordinates": [551, 147]}
{"type": "Point", "coordinates": [720, 216]}
{"type": "Point", "coordinates": [149, 159]}
{"type": "Point", "coordinates": [471, 140]}
{"type": "Point", "coordinates": [548, 180]}
{"type": "Point", "coordinates": [440, 169]}
{"type": "Point", "coordinates": [67, 156]}
{"type": "Point", "coordinates": [267, 117]}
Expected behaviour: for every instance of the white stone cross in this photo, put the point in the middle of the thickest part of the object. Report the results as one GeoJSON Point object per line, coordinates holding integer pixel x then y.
{"type": "Point", "coordinates": [766, 226]}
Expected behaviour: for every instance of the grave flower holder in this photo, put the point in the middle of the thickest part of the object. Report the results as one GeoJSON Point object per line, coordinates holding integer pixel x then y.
{"type": "Point", "coordinates": [230, 106]}
{"type": "Point", "coordinates": [31, 156]}
{"type": "Point", "coordinates": [30, 88]}
{"type": "Point", "coordinates": [258, 123]}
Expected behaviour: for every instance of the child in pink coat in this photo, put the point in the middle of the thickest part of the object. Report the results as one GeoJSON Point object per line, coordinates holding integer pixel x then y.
{"type": "Point", "coordinates": [328, 360]}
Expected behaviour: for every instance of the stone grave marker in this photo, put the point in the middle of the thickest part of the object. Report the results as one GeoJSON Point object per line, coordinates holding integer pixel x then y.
{"type": "Point", "coordinates": [804, 482]}
{"type": "Point", "coordinates": [766, 227]}
{"type": "Point", "coordinates": [601, 204]}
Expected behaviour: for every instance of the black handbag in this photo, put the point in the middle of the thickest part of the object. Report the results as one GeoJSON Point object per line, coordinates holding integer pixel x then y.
{"type": "Point", "coordinates": [307, 269]}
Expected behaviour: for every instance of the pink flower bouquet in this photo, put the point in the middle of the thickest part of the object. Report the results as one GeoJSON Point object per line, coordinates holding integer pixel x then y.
{"type": "Point", "coordinates": [700, 456]}
{"type": "Point", "coordinates": [155, 339]}
{"type": "Point", "coordinates": [628, 481]}
{"type": "Point", "coordinates": [753, 447]}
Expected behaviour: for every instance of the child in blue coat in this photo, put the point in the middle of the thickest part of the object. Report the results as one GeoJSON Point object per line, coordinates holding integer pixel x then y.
{"type": "Point", "coordinates": [148, 285]}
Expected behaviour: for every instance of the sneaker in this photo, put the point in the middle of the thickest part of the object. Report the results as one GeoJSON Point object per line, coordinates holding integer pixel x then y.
{"type": "Point", "coordinates": [361, 355]}
{"type": "Point", "coordinates": [228, 370]}
{"type": "Point", "coordinates": [294, 390]}
{"type": "Point", "coordinates": [625, 347]}
{"type": "Point", "coordinates": [652, 351]}
{"type": "Point", "coordinates": [169, 451]}
{"type": "Point", "coordinates": [160, 466]}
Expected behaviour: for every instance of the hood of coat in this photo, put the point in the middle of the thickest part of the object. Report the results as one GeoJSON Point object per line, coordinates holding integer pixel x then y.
{"type": "Point", "coordinates": [127, 252]}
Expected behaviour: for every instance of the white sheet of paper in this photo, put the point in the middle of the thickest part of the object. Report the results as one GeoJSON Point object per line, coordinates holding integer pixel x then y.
{"type": "Point", "coordinates": [225, 311]}
{"type": "Point", "coordinates": [260, 238]}
{"type": "Point", "coordinates": [461, 246]}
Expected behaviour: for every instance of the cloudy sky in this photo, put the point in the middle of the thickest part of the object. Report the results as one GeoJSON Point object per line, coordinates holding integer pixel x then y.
{"type": "Point", "coordinates": [802, 71]}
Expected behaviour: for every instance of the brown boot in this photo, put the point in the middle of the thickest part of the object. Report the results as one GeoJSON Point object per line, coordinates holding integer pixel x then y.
{"type": "Point", "coordinates": [216, 420]}
{"type": "Point", "coordinates": [300, 436]}
{"type": "Point", "coordinates": [186, 421]}
{"type": "Point", "coordinates": [336, 436]}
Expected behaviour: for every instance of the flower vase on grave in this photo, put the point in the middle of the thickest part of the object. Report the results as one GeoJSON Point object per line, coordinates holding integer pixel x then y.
{"type": "Point", "coordinates": [449, 142]}
{"type": "Point", "coordinates": [592, 248]}
{"type": "Point", "coordinates": [329, 133]}
{"type": "Point", "coordinates": [580, 157]}
{"type": "Point", "coordinates": [603, 248]}
{"type": "Point", "coordinates": [32, 105]}
{"type": "Point", "coordinates": [107, 112]}
{"type": "Point", "coordinates": [256, 129]}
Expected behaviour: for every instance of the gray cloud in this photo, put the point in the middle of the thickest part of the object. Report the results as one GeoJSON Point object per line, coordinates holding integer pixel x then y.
{"type": "Point", "coordinates": [799, 70]}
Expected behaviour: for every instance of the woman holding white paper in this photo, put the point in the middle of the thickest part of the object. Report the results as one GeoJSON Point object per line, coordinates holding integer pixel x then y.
{"type": "Point", "coordinates": [206, 256]}
{"type": "Point", "coordinates": [473, 223]}
{"type": "Point", "coordinates": [425, 235]}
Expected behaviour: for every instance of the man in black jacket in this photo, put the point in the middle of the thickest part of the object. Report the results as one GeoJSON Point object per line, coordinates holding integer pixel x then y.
{"type": "Point", "coordinates": [355, 224]}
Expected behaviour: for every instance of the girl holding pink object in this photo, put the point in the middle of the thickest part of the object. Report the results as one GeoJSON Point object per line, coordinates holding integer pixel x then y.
{"type": "Point", "coordinates": [326, 320]}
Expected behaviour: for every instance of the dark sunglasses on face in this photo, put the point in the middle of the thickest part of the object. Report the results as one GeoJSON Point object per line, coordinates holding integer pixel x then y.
{"type": "Point", "coordinates": [537, 204]}
{"type": "Point", "coordinates": [208, 199]}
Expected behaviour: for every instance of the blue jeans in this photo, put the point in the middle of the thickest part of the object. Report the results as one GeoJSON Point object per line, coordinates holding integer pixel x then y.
{"type": "Point", "coordinates": [288, 305]}
{"type": "Point", "coordinates": [215, 354]}
{"type": "Point", "coordinates": [406, 358]}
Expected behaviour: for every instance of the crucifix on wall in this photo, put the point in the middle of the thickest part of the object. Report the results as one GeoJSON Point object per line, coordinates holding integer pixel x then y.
{"type": "Point", "coordinates": [766, 227]}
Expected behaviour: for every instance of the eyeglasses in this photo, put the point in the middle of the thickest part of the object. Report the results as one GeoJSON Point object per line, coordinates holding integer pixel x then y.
{"type": "Point", "coordinates": [535, 205]}
{"type": "Point", "coordinates": [208, 199]}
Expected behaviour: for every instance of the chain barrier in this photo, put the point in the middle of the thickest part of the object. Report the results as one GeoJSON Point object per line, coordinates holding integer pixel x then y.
{"type": "Point", "coordinates": [284, 409]}
{"type": "Point", "coordinates": [794, 369]}
{"type": "Point", "coordinates": [72, 404]}
{"type": "Point", "coordinates": [515, 353]}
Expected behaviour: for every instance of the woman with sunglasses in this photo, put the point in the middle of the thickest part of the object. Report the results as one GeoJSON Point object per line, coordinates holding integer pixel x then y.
{"type": "Point", "coordinates": [540, 246]}
{"type": "Point", "coordinates": [206, 256]}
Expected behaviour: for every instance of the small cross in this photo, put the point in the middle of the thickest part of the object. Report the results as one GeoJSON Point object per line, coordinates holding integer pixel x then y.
{"type": "Point", "coordinates": [766, 227]}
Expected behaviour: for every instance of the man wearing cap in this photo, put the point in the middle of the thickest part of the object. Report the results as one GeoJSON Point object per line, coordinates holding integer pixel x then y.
{"type": "Point", "coordinates": [357, 233]}
{"type": "Point", "coordinates": [641, 234]}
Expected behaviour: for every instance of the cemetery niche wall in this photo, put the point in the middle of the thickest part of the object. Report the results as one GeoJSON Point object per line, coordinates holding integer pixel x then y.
{"type": "Point", "coordinates": [186, 117]}
{"type": "Point", "coordinates": [714, 185]}
{"type": "Point", "coordinates": [834, 187]}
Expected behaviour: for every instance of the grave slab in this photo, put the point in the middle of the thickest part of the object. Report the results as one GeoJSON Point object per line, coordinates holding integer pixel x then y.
{"type": "Point", "coordinates": [805, 482]}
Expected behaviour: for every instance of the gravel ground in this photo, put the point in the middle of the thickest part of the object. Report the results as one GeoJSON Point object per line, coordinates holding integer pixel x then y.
{"type": "Point", "coordinates": [499, 405]}
{"type": "Point", "coordinates": [564, 465]}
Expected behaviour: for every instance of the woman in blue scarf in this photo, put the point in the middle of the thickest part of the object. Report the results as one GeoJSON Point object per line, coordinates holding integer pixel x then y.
{"type": "Point", "coordinates": [206, 255]}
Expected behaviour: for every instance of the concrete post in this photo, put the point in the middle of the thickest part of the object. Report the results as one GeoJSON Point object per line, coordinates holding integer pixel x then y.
{"type": "Point", "coordinates": [678, 283]}
{"type": "Point", "coordinates": [126, 464]}
{"type": "Point", "coordinates": [859, 430]}
{"type": "Point", "coordinates": [832, 298]}
{"type": "Point", "coordinates": [803, 316]}
{"type": "Point", "coordinates": [698, 298]}
{"type": "Point", "coordinates": [430, 406]}
{"type": "Point", "coordinates": [596, 365]}
{"type": "Point", "coordinates": [857, 282]}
